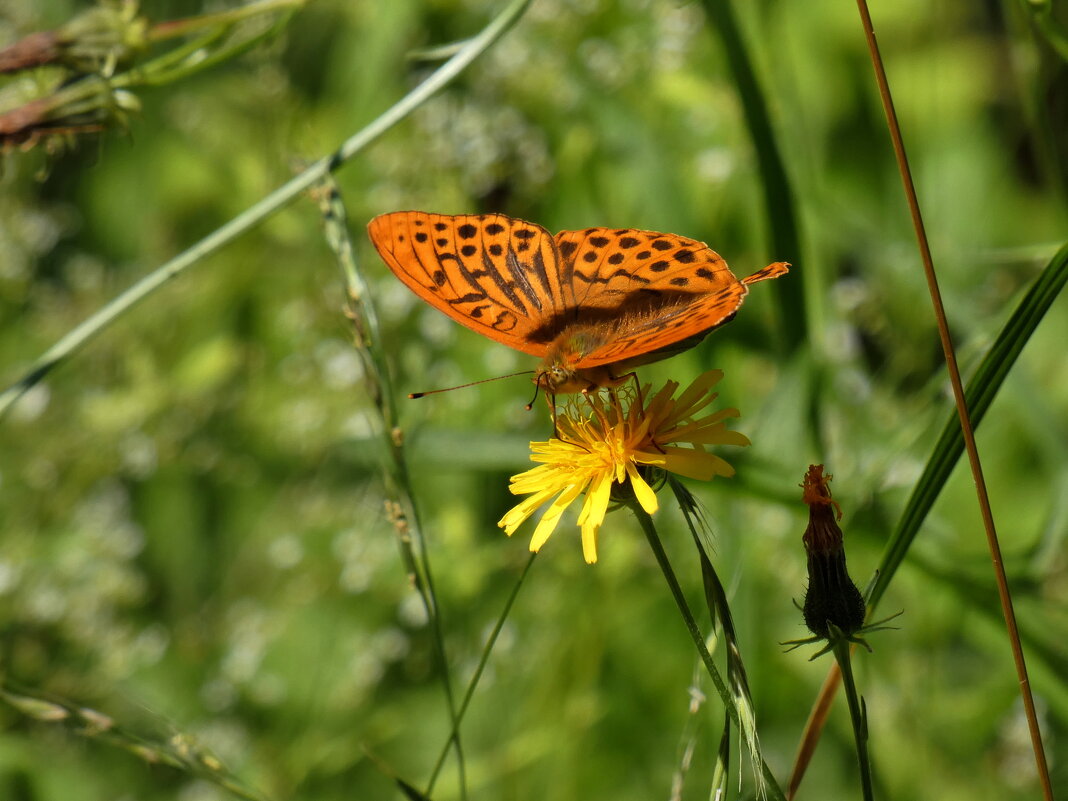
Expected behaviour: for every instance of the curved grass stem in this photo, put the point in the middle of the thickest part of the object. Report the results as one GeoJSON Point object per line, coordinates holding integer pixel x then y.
{"type": "Point", "coordinates": [79, 336]}
{"type": "Point", "coordinates": [479, 669]}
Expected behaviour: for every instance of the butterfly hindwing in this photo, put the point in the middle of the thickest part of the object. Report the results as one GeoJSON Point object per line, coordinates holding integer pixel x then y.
{"type": "Point", "coordinates": [649, 290]}
{"type": "Point", "coordinates": [495, 274]}
{"type": "Point", "coordinates": [652, 337]}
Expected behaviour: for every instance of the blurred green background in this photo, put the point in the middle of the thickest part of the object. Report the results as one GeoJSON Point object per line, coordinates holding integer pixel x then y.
{"type": "Point", "coordinates": [194, 537]}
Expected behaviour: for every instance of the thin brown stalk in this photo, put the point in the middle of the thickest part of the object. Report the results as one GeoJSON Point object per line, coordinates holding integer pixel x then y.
{"type": "Point", "coordinates": [958, 395]}
{"type": "Point", "coordinates": [810, 737]}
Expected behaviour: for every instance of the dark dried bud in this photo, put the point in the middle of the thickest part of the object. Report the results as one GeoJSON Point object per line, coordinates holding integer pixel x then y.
{"type": "Point", "coordinates": [832, 599]}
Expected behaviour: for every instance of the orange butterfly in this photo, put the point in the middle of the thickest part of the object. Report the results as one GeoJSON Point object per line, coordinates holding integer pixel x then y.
{"type": "Point", "coordinates": [593, 304]}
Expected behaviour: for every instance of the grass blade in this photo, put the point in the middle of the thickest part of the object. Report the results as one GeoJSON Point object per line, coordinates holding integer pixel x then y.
{"type": "Point", "coordinates": [779, 204]}
{"type": "Point", "coordinates": [720, 612]}
{"type": "Point", "coordinates": [979, 394]}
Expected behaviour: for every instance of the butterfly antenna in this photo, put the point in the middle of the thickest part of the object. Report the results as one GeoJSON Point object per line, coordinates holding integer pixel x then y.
{"type": "Point", "coordinates": [530, 405]}
{"type": "Point", "coordinates": [464, 386]}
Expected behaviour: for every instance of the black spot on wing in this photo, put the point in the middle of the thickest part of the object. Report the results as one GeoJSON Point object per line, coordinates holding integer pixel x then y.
{"type": "Point", "coordinates": [542, 275]}
{"type": "Point", "coordinates": [470, 297]}
{"type": "Point", "coordinates": [604, 279]}
{"type": "Point", "coordinates": [467, 231]}
{"type": "Point", "coordinates": [505, 321]}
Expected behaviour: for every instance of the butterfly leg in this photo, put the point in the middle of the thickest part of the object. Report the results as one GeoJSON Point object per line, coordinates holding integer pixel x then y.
{"type": "Point", "coordinates": [550, 398]}
{"type": "Point", "coordinates": [632, 375]}
{"type": "Point", "coordinates": [640, 401]}
{"type": "Point", "coordinates": [556, 428]}
{"type": "Point", "coordinates": [597, 410]}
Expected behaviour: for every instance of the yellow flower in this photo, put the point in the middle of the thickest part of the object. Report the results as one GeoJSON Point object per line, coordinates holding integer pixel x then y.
{"type": "Point", "coordinates": [600, 444]}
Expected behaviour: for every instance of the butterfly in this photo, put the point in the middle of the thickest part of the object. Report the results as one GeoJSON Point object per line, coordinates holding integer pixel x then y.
{"type": "Point", "coordinates": [592, 304]}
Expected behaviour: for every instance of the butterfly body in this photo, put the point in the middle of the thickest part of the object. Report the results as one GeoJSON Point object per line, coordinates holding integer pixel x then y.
{"type": "Point", "coordinates": [560, 372]}
{"type": "Point", "coordinates": [592, 304]}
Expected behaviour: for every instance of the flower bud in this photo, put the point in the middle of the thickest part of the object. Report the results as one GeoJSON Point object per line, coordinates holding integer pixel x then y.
{"type": "Point", "coordinates": [832, 599]}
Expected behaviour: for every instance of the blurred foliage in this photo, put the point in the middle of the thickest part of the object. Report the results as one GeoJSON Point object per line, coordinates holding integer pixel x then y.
{"type": "Point", "coordinates": [193, 531]}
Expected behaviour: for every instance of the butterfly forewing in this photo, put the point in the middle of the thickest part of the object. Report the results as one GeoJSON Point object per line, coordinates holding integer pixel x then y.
{"type": "Point", "coordinates": [657, 289]}
{"type": "Point", "coordinates": [495, 274]}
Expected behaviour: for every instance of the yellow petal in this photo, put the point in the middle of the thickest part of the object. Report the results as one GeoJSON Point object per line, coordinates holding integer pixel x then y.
{"type": "Point", "coordinates": [515, 516]}
{"type": "Point", "coordinates": [547, 524]}
{"type": "Point", "coordinates": [654, 458]}
{"type": "Point", "coordinates": [701, 385]}
{"type": "Point", "coordinates": [597, 500]}
{"type": "Point", "coordinates": [642, 491]}
{"type": "Point", "coordinates": [589, 543]}
{"type": "Point", "coordinates": [697, 464]}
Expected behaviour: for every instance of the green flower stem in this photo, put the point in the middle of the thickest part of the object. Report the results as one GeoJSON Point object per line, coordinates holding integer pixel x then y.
{"type": "Point", "coordinates": [274, 202]}
{"type": "Point", "coordinates": [482, 661]}
{"type": "Point", "coordinates": [856, 713]}
{"type": "Point", "coordinates": [651, 535]}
